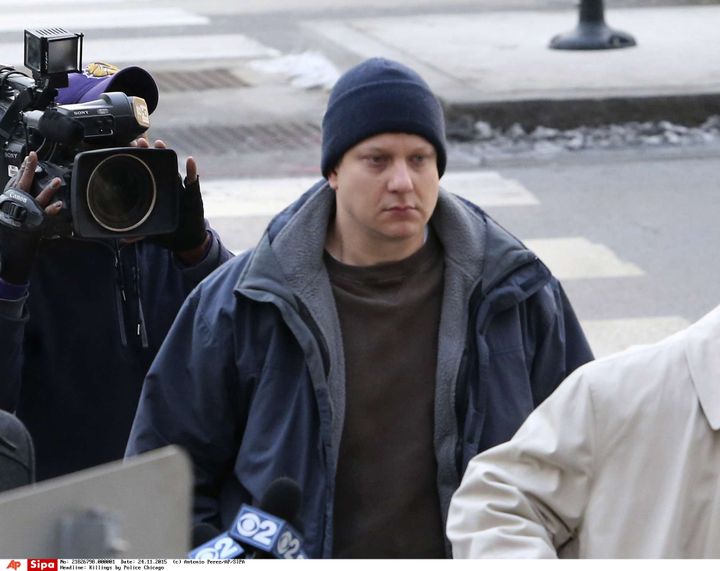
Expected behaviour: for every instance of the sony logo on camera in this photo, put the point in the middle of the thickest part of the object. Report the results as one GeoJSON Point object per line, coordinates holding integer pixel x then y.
{"type": "Point", "coordinates": [109, 190]}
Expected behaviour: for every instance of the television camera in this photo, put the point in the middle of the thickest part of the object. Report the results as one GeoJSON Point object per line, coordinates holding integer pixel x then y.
{"type": "Point", "coordinates": [108, 189]}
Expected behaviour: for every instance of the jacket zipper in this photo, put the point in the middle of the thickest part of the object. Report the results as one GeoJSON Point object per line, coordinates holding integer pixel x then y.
{"type": "Point", "coordinates": [309, 321]}
{"type": "Point", "coordinates": [120, 297]}
{"type": "Point", "coordinates": [141, 328]}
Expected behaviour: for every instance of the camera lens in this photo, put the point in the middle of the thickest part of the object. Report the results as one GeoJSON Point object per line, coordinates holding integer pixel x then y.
{"type": "Point", "coordinates": [121, 193]}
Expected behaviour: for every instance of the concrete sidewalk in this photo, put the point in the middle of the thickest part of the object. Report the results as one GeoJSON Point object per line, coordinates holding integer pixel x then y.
{"type": "Point", "coordinates": [496, 66]}
{"type": "Point", "coordinates": [485, 64]}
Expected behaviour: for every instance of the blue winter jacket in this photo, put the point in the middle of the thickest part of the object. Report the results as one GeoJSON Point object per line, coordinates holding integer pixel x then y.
{"type": "Point", "coordinates": [75, 351]}
{"type": "Point", "coordinates": [250, 379]}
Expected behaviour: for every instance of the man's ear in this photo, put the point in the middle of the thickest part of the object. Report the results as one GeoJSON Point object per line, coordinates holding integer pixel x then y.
{"type": "Point", "coordinates": [333, 179]}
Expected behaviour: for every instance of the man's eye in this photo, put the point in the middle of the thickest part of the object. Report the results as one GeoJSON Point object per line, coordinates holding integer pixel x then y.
{"type": "Point", "coordinates": [376, 159]}
{"type": "Point", "coordinates": [419, 159]}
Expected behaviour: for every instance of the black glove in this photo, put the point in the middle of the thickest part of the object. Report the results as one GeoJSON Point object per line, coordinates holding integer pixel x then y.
{"type": "Point", "coordinates": [190, 232]}
{"type": "Point", "coordinates": [21, 222]}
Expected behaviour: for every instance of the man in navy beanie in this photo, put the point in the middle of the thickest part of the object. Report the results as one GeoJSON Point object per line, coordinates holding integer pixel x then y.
{"type": "Point", "coordinates": [381, 334]}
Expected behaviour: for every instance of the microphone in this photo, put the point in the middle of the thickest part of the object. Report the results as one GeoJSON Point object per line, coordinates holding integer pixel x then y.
{"type": "Point", "coordinates": [282, 498]}
{"type": "Point", "coordinates": [210, 544]}
{"type": "Point", "coordinates": [56, 126]}
{"type": "Point", "coordinates": [202, 533]}
{"type": "Point", "coordinates": [261, 531]}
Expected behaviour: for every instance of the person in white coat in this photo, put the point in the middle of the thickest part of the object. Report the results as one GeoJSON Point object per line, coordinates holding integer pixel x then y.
{"type": "Point", "coordinates": [623, 460]}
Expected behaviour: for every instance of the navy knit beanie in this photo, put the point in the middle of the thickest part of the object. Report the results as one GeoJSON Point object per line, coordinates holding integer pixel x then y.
{"type": "Point", "coordinates": [380, 96]}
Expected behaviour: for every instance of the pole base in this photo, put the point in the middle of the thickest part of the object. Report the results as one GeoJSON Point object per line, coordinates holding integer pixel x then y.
{"type": "Point", "coordinates": [592, 36]}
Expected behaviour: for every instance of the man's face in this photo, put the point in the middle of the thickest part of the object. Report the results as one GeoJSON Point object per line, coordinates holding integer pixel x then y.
{"type": "Point", "coordinates": [387, 188]}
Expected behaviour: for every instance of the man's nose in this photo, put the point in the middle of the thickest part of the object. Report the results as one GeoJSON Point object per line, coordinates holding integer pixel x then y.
{"type": "Point", "coordinates": [400, 179]}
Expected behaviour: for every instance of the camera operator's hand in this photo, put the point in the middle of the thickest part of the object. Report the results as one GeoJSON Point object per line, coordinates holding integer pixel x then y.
{"type": "Point", "coordinates": [21, 221]}
{"type": "Point", "coordinates": [191, 240]}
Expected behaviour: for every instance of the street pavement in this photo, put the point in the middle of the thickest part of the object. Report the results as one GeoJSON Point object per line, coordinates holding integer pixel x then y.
{"type": "Point", "coordinates": [473, 59]}
{"type": "Point", "coordinates": [244, 84]}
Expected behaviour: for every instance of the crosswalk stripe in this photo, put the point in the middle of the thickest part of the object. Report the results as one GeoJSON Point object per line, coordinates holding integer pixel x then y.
{"type": "Point", "coordinates": [252, 197]}
{"type": "Point", "coordinates": [83, 20]}
{"type": "Point", "coordinates": [608, 336]}
{"type": "Point", "coordinates": [488, 189]}
{"type": "Point", "coordinates": [156, 49]}
{"type": "Point", "coordinates": [575, 258]}
{"type": "Point", "coordinates": [57, 4]}
{"type": "Point", "coordinates": [265, 197]}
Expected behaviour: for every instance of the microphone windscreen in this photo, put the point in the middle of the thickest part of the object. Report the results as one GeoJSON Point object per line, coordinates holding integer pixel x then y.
{"type": "Point", "coordinates": [60, 128]}
{"type": "Point", "coordinates": [282, 499]}
{"type": "Point", "coordinates": [202, 533]}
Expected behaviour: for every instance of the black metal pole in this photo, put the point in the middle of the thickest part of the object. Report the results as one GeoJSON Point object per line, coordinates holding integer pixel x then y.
{"type": "Point", "coordinates": [592, 12]}
{"type": "Point", "coordinates": [592, 33]}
